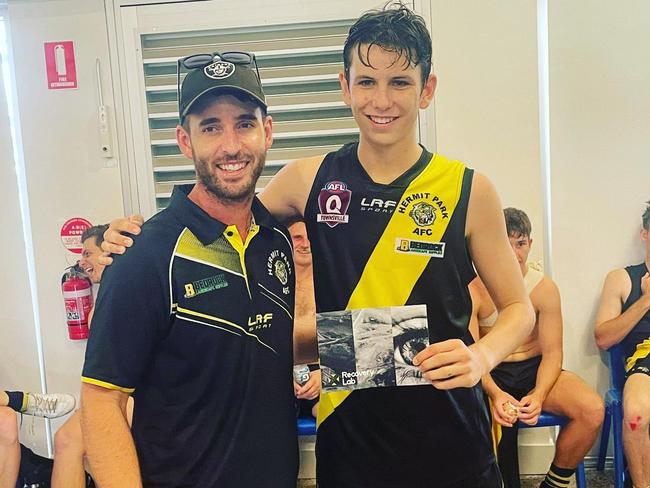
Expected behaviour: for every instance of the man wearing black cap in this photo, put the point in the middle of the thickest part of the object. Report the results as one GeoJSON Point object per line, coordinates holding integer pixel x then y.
{"type": "Point", "coordinates": [196, 321]}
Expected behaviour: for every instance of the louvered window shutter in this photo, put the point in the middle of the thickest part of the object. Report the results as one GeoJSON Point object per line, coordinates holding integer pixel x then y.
{"type": "Point", "coordinates": [299, 66]}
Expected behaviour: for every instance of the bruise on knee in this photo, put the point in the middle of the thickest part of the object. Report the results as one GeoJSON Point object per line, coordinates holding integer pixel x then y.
{"type": "Point", "coordinates": [634, 424]}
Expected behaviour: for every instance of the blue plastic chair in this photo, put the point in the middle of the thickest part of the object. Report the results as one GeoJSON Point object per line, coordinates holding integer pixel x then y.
{"type": "Point", "coordinates": [306, 425]}
{"type": "Point", "coordinates": [614, 415]}
{"type": "Point", "coordinates": [550, 420]}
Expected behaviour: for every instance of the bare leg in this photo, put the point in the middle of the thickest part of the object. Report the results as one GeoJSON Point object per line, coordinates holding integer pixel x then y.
{"type": "Point", "coordinates": [573, 398]}
{"type": "Point", "coordinates": [636, 438]}
{"type": "Point", "coordinates": [9, 448]}
{"type": "Point", "coordinates": [69, 451]}
{"type": "Point", "coordinates": [4, 398]}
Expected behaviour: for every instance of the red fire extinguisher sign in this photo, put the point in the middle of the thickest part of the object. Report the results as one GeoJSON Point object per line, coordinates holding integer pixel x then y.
{"type": "Point", "coordinates": [60, 65]}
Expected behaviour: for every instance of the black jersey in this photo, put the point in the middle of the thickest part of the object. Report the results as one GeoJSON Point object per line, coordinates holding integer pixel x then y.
{"type": "Point", "coordinates": [377, 245]}
{"type": "Point", "coordinates": [641, 331]}
{"type": "Point", "coordinates": [198, 324]}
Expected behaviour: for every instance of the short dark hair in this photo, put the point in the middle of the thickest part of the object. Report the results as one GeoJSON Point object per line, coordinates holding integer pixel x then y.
{"type": "Point", "coordinates": [517, 222]}
{"type": "Point", "coordinates": [201, 104]}
{"type": "Point", "coordinates": [96, 231]}
{"type": "Point", "coordinates": [396, 29]}
{"type": "Point", "coordinates": [645, 218]}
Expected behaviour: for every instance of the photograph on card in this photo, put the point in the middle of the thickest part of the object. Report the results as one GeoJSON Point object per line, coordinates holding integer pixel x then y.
{"type": "Point", "coordinates": [371, 347]}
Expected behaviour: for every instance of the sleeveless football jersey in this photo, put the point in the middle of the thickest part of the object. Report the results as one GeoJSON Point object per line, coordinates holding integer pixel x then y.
{"type": "Point", "coordinates": [641, 331]}
{"type": "Point", "coordinates": [377, 245]}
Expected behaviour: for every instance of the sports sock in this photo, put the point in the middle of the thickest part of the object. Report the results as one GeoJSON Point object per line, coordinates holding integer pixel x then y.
{"type": "Point", "coordinates": [557, 477]}
{"type": "Point", "coordinates": [16, 399]}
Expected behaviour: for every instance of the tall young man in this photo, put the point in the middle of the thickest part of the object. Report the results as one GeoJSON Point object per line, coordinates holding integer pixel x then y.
{"type": "Point", "coordinates": [531, 379]}
{"type": "Point", "coordinates": [196, 320]}
{"type": "Point", "coordinates": [391, 224]}
{"type": "Point", "coordinates": [624, 318]}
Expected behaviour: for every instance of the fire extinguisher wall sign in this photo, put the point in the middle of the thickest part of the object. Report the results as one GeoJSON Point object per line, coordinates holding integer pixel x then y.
{"type": "Point", "coordinates": [60, 65]}
{"type": "Point", "coordinates": [78, 299]}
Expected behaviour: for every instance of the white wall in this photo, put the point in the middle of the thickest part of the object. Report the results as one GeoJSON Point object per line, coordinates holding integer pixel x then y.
{"type": "Point", "coordinates": [486, 113]}
{"type": "Point", "coordinates": [600, 136]}
{"type": "Point", "coordinates": [19, 368]}
{"type": "Point", "coordinates": [66, 175]}
{"type": "Point", "coordinates": [485, 57]}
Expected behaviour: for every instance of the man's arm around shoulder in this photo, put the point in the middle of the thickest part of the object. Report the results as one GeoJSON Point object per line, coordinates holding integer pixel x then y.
{"type": "Point", "coordinates": [285, 196]}
{"type": "Point", "coordinates": [107, 437]}
{"type": "Point", "coordinates": [612, 324]}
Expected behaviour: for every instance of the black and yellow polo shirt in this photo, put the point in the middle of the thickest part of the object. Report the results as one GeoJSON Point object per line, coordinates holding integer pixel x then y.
{"type": "Point", "coordinates": [197, 325]}
{"type": "Point", "coordinates": [386, 245]}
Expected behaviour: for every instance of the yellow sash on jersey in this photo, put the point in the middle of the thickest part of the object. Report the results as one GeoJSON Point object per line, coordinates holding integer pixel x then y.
{"type": "Point", "coordinates": [642, 350]}
{"type": "Point", "coordinates": [389, 276]}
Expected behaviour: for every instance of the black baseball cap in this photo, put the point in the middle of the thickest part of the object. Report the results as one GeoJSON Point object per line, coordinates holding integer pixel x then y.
{"type": "Point", "coordinates": [220, 75]}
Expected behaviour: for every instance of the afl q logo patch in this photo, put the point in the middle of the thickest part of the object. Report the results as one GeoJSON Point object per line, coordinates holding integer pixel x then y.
{"type": "Point", "coordinates": [219, 70]}
{"type": "Point", "coordinates": [333, 202]}
{"type": "Point", "coordinates": [423, 214]}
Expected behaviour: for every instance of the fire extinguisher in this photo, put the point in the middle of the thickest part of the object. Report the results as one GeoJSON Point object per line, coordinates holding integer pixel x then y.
{"type": "Point", "coordinates": [78, 298]}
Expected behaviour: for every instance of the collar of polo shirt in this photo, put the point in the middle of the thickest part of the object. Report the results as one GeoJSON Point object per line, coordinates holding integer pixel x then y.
{"type": "Point", "coordinates": [208, 229]}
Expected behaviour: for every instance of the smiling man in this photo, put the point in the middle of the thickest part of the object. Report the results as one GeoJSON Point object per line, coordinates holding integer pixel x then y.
{"type": "Point", "coordinates": [190, 322]}
{"type": "Point", "coordinates": [91, 240]}
{"type": "Point", "coordinates": [435, 216]}
{"type": "Point", "coordinates": [431, 218]}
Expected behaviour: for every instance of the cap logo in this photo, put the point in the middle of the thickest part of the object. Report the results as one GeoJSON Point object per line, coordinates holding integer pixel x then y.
{"type": "Point", "coordinates": [219, 70]}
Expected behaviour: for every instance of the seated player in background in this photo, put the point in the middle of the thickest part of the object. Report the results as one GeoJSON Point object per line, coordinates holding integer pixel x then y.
{"type": "Point", "coordinates": [531, 379]}
{"type": "Point", "coordinates": [624, 317]}
{"type": "Point", "coordinates": [305, 318]}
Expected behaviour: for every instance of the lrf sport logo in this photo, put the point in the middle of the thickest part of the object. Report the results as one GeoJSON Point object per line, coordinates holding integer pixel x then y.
{"type": "Point", "coordinates": [333, 202]}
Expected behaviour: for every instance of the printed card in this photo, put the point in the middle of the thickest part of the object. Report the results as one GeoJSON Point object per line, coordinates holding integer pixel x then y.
{"type": "Point", "coordinates": [371, 347]}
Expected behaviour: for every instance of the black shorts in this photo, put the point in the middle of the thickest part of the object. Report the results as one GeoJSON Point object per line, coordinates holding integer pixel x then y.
{"type": "Point", "coordinates": [517, 378]}
{"type": "Point", "coordinates": [490, 478]}
{"type": "Point", "coordinates": [640, 365]}
{"type": "Point", "coordinates": [303, 407]}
